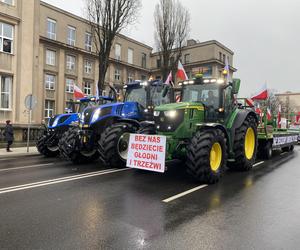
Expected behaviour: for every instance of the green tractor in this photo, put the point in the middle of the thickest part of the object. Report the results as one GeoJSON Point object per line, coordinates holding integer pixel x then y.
{"type": "Point", "coordinates": [208, 129]}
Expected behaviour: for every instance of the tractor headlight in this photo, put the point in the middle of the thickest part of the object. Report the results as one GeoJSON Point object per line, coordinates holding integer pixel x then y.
{"type": "Point", "coordinates": [170, 113]}
{"type": "Point", "coordinates": [156, 113]}
{"type": "Point", "coordinates": [96, 115]}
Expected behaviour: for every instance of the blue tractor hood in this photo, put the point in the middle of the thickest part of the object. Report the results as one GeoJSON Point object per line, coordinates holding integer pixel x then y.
{"type": "Point", "coordinates": [62, 120]}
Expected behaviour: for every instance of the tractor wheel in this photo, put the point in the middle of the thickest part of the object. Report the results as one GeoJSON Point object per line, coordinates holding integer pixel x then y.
{"type": "Point", "coordinates": [67, 142]}
{"type": "Point", "coordinates": [266, 151]}
{"type": "Point", "coordinates": [113, 144]}
{"type": "Point", "coordinates": [245, 145]}
{"type": "Point", "coordinates": [207, 156]}
{"type": "Point", "coordinates": [288, 149]}
{"type": "Point", "coordinates": [44, 149]}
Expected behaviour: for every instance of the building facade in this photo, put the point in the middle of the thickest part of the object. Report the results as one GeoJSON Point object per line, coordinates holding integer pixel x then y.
{"type": "Point", "coordinates": [45, 50]}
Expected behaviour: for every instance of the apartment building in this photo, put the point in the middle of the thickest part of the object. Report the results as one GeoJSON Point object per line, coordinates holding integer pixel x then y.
{"type": "Point", "coordinates": [207, 58]}
{"type": "Point", "coordinates": [45, 50]}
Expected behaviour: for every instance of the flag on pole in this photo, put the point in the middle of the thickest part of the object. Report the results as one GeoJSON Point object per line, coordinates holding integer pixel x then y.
{"type": "Point", "coordinates": [78, 92]}
{"type": "Point", "coordinates": [269, 114]}
{"type": "Point", "coordinates": [279, 116]}
{"type": "Point", "coordinates": [181, 72]}
{"type": "Point", "coordinates": [169, 79]}
{"type": "Point", "coordinates": [250, 102]}
{"type": "Point", "coordinates": [262, 94]}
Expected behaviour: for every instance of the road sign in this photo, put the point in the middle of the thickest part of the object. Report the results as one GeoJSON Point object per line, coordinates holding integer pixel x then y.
{"type": "Point", "coordinates": [30, 102]}
{"type": "Point", "coordinates": [147, 152]}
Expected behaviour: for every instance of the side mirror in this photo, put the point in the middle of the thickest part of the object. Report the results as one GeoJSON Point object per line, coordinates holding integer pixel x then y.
{"type": "Point", "coordinates": [165, 91]}
{"type": "Point", "coordinates": [236, 83]}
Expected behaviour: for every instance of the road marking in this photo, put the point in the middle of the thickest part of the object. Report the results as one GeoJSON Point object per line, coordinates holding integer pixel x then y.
{"type": "Point", "coordinates": [59, 180]}
{"type": "Point", "coordinates": [6, 159]}
{"type": "Point", "coordinates": [258, 163]}
{"type": "Point", "coordinates": [183, 193]}
{"type": "Point", "coordinates": [31, 166]}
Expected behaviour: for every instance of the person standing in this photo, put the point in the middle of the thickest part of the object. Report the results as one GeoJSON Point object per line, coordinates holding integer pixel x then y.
{"type": "Point", "coordinates": [9, 135]}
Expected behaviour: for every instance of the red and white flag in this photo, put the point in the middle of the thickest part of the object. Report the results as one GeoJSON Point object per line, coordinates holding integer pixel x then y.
{"type": "Point", "coordinates": [250, 102]}
{"type": "Point", "coordinates": [78, 92]}
{"type": "Point", "coordinates": [169, 79]}
{"type": "Point", "coordinates": [262, 94]}
{"type": "Point", "coordinates": [269, 114]}
{"type": "Point", "coordinates": [181, 72]}
{"type": "Point", "coordinates": [279, 116]}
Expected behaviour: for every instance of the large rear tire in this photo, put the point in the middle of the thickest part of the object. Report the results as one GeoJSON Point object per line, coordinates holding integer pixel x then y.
{"type": "Point", "coordinates": [207, 156]}
{"type": "Point", "coordinates": [245, 145]}
{"type": "Point", "coordinates": [113, 144]}
{"type": "Point", "coordinates": [43, 148]}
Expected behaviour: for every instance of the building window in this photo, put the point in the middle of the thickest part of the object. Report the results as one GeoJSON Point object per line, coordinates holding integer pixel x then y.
{"type": "Point", "coordinates": [224, 58]}
{"type": "Point", "coordinates": [9, 2]}
{"type": "Point", "coordinates": [158, 63]}
{"type": "Point", "coordinates": [51, 29]}
{"type": "Point", "coordinates": [130, 56]}
{"type": "Point", "coordinates": [50, 82]}
{"type": "Point", "coordinates": [70, 85]}
{"type": "Point", "coordinates": [71, 36]}
{"type": "Point", "coordinates": [117, 74]}
{"type": "Point", "coordinates": [130, 77]}
{"type": "Point", "coordinates": [5, 92]}
{"type": "Point", "coordinates": [88, 67]}
{"type": "Point", "coordinates": [87, 88]}
{"type": "Point", "coordinates": [49, 108]}
{"type": "Point", "coordinates": [50, 57]}
{"type": "Point", "coordinates": [220, 56]}
{"type": "Point", "coordinates": [144, 58]}
{"type": "Point", "coordinates": [118, 51]}
{"type": "Point", "coordinates": [143, 77]}
{"type": "Point", "coordinates": [6, 37]}
{"type": "Point", "coordinates": [70, 63]}
{"type": "Point", "coordinates": [88, 41]}
{"type": "Point", "coordinates": [228, 60]}
{"type": "Point", "coordinates": [187, 58]}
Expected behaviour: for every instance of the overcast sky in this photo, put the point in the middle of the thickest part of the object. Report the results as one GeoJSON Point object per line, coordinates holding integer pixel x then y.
{"type": "Point", "coordinates": [264, 35]}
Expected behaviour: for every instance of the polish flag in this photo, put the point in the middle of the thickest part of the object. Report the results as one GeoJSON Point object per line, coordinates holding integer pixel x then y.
{"type": "Point", "coordinates": [279, 117]}
{"type": "Point", "coordinates": [169, 79]}
{"type": "Point", "coordinates": [181, 72]}
{"type": "Point", "coordinates": [250, 102]}
{"type": "Point", "coordinates": [258, 110]}
{"type": "Point", "coordinates": [262, 94]}
{"type": "Point", "coordinates": [269, 114]}
{"type": "Point", "coordinates": [178, 98]}
{"type": "Point", "coordinates": [78, 92]}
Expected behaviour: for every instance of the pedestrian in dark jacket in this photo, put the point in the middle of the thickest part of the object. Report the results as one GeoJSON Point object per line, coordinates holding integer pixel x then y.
{"type": "Point", "coordinates": [9, 135]}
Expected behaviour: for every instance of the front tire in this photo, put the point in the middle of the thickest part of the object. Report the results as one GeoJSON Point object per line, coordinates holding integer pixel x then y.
{"type": "Point", "coordinates": [43, 148]}
{"type": "Point", "coordinates": [207, 156]}
{"type": "Point", "coordinates": [113, 144]}
{"type": "Point", "coordinates": [245, 145]}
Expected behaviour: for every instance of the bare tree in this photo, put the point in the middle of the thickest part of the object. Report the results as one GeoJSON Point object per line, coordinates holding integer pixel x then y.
{"type": "Point", "coordinates": [172, 26]}
{"type": "Point", "coordinates": [107, 18]}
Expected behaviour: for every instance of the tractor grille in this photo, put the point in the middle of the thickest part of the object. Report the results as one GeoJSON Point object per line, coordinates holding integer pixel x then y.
{"type": "Point", "coordinates": [119, 109]}
{"type": "Point", "coordinates": [168, 124]}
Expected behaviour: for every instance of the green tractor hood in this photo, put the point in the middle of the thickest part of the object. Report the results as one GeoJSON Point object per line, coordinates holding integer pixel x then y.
{"type": "Point", "coordinates": [180, 105]}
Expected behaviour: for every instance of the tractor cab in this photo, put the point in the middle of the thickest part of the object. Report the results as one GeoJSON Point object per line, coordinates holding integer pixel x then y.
{"type": "Point", "coordinates": [148, 95]}
{"type": "Point", "coordinates": [214, 94]}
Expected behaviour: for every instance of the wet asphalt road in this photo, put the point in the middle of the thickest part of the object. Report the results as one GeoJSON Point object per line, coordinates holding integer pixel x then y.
{"type": "Point", "coordinates": [50, 204]}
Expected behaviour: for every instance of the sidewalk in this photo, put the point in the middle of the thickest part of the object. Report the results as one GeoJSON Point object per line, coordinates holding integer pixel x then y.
{"type": "Point", "coordinates": [18, 152]}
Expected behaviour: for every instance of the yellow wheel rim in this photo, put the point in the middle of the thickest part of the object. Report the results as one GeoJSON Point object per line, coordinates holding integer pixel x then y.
{"type": "Point", "coordinates": [215, 156]}
{"type": "Point", "coordinates": [249, 143]}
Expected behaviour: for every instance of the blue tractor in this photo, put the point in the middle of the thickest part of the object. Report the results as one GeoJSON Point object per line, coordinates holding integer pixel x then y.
{"type": "Point", "coordinates": [103, 127]}
{"type": "Point", "coordinates": [47, 143]}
